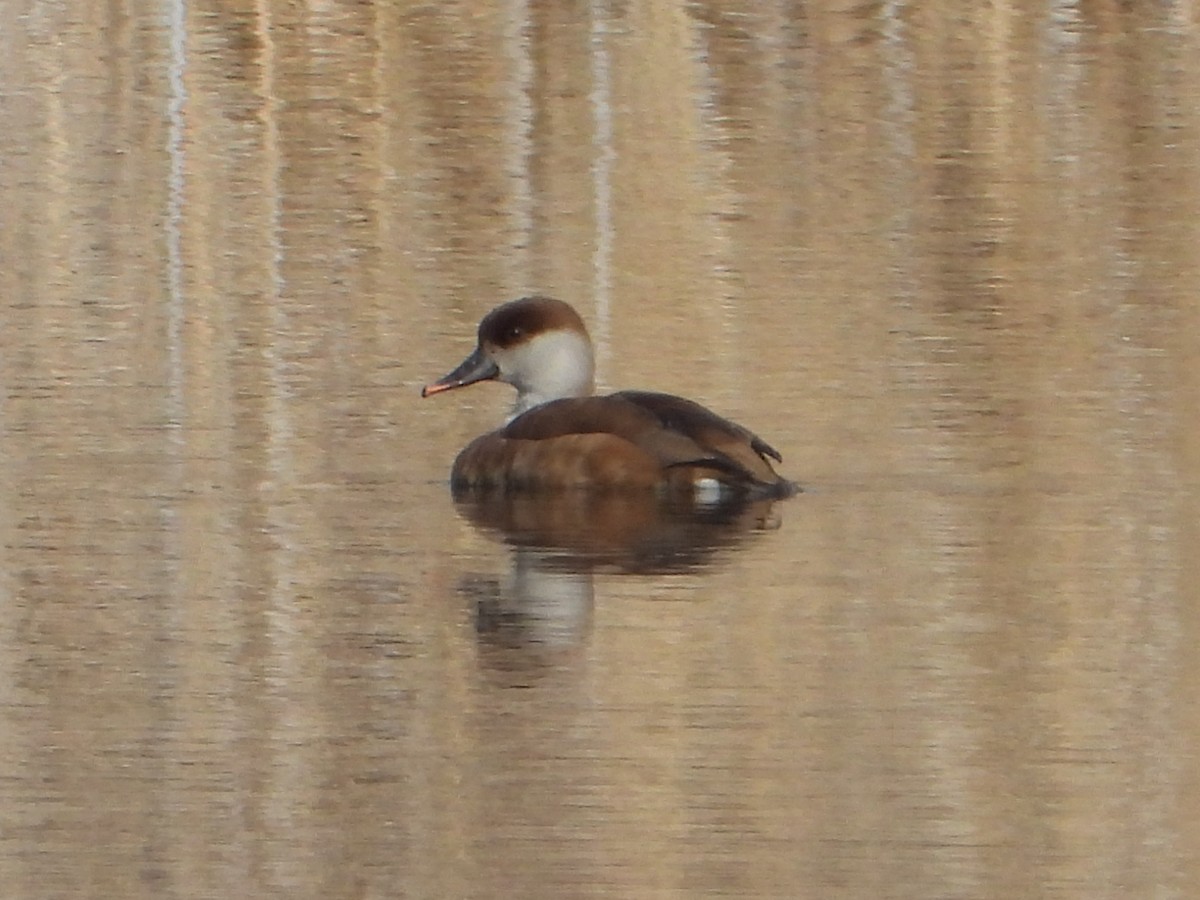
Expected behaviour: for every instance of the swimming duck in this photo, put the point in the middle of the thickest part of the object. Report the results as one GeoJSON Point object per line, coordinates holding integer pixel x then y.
{"type": "Point", "coordinates": [562, 436]}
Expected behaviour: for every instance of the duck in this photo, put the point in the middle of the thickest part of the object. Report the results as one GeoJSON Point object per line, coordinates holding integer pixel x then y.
{"type": "Point", "coordinates": [561, 435]}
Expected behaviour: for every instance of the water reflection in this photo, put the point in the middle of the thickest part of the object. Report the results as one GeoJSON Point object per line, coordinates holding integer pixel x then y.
{"type": "Point", "coordinates": [944, 255]}
{"type": "Point", "coordinates": [636, 532]}
{"type": "Point", "coordinates": [559, 540]}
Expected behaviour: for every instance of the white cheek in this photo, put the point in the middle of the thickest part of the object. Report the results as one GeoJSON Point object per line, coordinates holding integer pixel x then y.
{"type": "Point", "coordinates": [546, 367]}
{"type": "Point", "coordinates": [509, 364]}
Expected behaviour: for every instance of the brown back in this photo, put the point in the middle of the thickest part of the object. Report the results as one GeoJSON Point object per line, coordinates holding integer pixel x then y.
{"type": "Point", "coordinates": [672, 430]}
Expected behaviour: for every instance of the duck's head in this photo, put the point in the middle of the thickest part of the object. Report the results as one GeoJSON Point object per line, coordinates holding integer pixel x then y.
{"type": "Point", "coordinates": [539, 345]}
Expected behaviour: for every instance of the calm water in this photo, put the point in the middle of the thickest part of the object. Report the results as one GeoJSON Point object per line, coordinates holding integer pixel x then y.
{"type": "Point", "coordinates": [947, 261]}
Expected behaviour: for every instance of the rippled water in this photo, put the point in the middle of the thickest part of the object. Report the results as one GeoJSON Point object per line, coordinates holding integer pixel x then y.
{"type": "Point", "coordinates": [945, 259]}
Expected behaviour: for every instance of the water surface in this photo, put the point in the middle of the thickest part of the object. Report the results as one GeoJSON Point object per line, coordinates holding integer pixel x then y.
{"type": "Point", "coordinates": [946, 260]}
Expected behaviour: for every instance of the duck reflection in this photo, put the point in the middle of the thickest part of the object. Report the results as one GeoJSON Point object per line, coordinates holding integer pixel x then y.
{"type": "Point", "coordinates": [635, 533]}
{"type": "Point", "coordinates": [534, 605]}
{"type": "Point", "coordinates": [559, 540]}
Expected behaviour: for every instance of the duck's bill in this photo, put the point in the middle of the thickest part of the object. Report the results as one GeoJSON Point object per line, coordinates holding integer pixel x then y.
{"type": "Point", "coordinates": [476, 367]}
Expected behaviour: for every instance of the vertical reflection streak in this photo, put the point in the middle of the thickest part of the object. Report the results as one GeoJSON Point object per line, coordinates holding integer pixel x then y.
{"type": "Point", "coordinates": [283, 656]}
{"type": "Point", "coordinates": [176, 184]}
{"type": "Point", "coordinates": [176, 149]}
{"type": "Point", "coordinates": [718, 125]}
{"type": "Point", "coordinates": [602, 167]}
{"type": "Point", "coordinates": [1065, 77]}
{"type": "Point", "coordinates": [521, 89]}
{"type": "Point", "coordinates": [898, 126]}
{"type": "Point", "coordinates": [279, 430]}
{"type": "Point", "coordinates": [898, 75]}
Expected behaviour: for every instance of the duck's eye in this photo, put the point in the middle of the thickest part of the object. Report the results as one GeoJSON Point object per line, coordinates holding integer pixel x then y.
{"type": "Point", "coordinates": [514, 333]}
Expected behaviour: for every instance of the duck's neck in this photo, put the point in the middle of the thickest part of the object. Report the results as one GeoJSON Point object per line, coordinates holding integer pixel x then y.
{"type": "Point", "coordinates": [528, 399]}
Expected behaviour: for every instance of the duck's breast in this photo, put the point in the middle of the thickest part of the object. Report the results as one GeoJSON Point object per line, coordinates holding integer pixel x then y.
{"type": "Point", "coordinates": [589, 460]}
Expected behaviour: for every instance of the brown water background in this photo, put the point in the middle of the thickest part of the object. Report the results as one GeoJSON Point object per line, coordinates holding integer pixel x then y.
{"type": "Point", "coordinates": [945, 256]}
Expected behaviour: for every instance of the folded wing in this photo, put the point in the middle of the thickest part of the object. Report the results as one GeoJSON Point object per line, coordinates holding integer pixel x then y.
{"type": "Point", "coordinates": [673, 431]}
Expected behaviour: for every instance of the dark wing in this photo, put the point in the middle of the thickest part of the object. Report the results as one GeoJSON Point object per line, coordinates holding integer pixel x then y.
{"type": "Point", "coordinates": [616, 416]}
{"type": "Point", "coordinates": [712, 433]}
